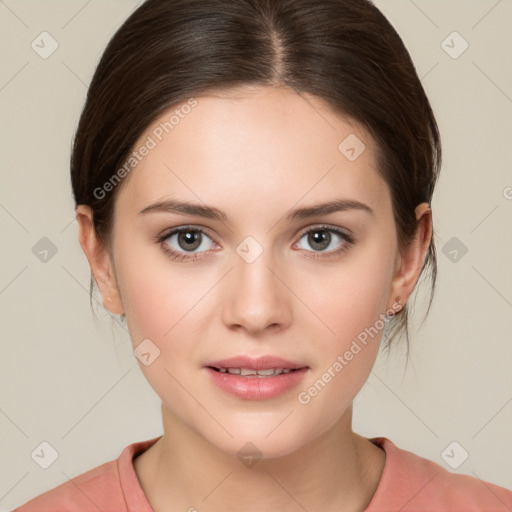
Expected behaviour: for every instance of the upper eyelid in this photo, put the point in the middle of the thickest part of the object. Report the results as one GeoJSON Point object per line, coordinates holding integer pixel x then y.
{"type": "Point", "coordinates": [173, 231]}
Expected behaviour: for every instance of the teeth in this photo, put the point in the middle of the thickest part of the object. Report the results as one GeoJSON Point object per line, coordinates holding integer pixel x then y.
{"type": "Point", "coordinates": [244, 372]}
{"type": "Point", "coordinates": [270, 371]}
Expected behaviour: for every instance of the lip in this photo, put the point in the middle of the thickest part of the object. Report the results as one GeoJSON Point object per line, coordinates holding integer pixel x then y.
{"type": "Point", "coordinates": [256, 363]}
{"type": "Point", "coordinates": [256, 388]}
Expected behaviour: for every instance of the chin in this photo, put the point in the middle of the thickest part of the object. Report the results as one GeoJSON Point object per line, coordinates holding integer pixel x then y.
{"type": "Point", "coordinates": [250, 448]}
{"type": "Point", "coordinates": [263, 439]}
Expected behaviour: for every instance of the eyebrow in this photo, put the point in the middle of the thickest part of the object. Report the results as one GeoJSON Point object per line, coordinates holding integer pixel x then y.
{"type": "Point", "coordinates": [210, 212]}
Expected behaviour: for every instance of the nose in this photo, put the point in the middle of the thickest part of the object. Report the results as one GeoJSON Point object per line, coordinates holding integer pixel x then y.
{"type": "Point", "coordinates": [256, 297]}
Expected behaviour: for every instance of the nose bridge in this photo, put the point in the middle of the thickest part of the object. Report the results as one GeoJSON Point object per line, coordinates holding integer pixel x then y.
{"type": "Point", "coordinates": [256, 297]}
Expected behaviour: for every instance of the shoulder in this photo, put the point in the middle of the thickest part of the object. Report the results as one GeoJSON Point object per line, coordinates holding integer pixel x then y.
{"type": "Point", "coordinates": [84, 492]}
{"type": "Point", "coordinates": [110, 487]}
{"type": "Point", "coordinates": [410, 482]}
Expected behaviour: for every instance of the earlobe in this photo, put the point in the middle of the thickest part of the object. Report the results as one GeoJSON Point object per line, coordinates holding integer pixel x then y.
{"type": "Point", "coordinates": [99, 260]}
{"type": "Point", "coordinates": [412, 258]}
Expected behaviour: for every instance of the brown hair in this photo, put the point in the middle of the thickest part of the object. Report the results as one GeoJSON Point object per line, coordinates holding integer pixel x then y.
{"type": "Point", "coordinates": [343, 51]}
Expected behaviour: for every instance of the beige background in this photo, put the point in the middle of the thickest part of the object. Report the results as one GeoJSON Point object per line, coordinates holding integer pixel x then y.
{"type": "Point", "coordinates": [76, 385]}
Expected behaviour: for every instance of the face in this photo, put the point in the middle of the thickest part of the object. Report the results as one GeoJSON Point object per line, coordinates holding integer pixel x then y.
{"type": "Point", "coordinates": [256, 280]}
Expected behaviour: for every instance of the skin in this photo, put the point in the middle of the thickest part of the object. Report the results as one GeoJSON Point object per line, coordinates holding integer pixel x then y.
{"type": "Point", "coordinates": [256, 153]}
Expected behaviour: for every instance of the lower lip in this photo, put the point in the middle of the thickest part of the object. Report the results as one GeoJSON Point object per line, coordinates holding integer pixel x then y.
{"type": "Point", "coordinates": [256, 388]}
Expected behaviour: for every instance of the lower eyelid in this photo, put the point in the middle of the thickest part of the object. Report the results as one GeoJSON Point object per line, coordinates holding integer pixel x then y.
{"type": "Point", "coordinates": [166, 237]}
{"type": "Point", "coordinates": [344, 246]}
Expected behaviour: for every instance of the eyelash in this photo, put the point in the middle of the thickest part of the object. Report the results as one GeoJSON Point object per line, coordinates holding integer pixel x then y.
{"type": "Point", "coordinates": [179, 256]}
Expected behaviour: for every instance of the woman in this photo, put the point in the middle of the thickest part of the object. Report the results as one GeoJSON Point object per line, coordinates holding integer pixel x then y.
{"type": "Point", "coordinates": [253, 182]}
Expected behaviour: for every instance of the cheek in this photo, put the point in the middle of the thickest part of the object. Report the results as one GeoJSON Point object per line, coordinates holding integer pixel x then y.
{"type": "Point", "coordinates": [351, 298]}
{"type": "Point", "coordinates": [159, 297]}
{"type": "Point", "coordinates": [346, 360]}
{"type": "Point", "coordinates": [352, 314]}
{"type": "Point", "coordinates": [165, 305]}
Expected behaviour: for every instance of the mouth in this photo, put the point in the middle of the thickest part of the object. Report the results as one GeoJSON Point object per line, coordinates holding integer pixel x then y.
{"type": "Point", "coordinates": [262, 366]}
{"type": "Point", "coordinates": [252, 372]}
{"type": "Point", "coordinates": [259, 378]}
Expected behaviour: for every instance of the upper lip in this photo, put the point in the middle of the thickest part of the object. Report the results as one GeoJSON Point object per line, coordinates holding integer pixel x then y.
{"type": "Point", "coordinates": [255, 363]}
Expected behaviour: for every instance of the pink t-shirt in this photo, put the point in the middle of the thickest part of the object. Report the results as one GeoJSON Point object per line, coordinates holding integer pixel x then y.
{"type": "Point", "coordinates": [409, 483]}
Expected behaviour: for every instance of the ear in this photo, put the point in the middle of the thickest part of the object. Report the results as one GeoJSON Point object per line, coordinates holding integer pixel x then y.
{"type": "Point", "coordinates": [99, 260]}
{"type": "Point", "coordinates": [410, 260]}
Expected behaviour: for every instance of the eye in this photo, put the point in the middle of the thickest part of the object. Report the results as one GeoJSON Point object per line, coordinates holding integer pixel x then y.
{"type": "Point", "coordinates": [181, 243]}
{"type": "Point", "coordinates": [321, 239]}
{"type": "Point", "coordinates": [188, 242]}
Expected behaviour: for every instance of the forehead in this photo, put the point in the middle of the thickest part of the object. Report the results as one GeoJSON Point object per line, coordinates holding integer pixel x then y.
{"type": "Point", "coordinates": [259, 142]}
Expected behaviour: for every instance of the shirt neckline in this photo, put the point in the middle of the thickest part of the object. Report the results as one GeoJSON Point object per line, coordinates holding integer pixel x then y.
{"type": "Point", "coordinates": [136, 500]}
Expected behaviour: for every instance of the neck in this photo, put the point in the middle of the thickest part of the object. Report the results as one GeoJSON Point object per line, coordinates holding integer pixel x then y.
{"type": "Point", "coordinates": [339, 470]}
